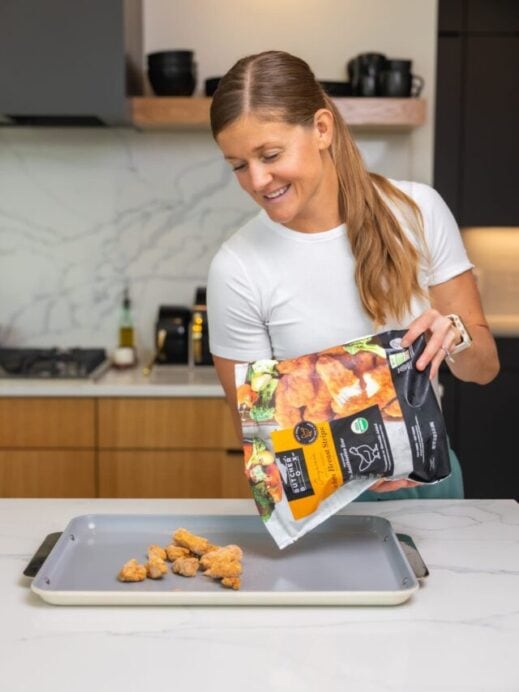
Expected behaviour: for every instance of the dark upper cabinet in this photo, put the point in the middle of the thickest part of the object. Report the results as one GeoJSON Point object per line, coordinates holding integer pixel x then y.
{"type": "Point", "coordinates": [448, 120]}
{"type": "Point", "coordinates": [450, 16]}
{"type": "Point", "coordinates": [477, 111]}
{"type": "Point", "coordinates": [490, 140]}
{"type": "Point", "coordinates": [494, 16]}
{"type": "Point", "coordinates": [64, 59]}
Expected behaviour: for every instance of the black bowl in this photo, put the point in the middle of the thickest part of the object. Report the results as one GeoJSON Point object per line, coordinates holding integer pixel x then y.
{"type": "Point", "coordinates": [172, 83]}
{"type": "Point", "coordinates": [211, 85]}
{"type": "Point", "coordinates": [170, 57]}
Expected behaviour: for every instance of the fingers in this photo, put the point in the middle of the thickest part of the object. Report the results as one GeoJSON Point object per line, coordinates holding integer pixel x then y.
{"type": "Point", "coordinates": [441, 339]}
{"type": "Point", "coordinates": [384, 486]}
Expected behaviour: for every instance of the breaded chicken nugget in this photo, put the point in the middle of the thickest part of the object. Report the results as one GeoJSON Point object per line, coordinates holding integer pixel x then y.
{"type": "Point", "coordinates": [231, 582]}
{"type": "Point", "coordinates": [224, 568]}
{"type": "Point", "coordinates": [185, 566]}
{"type": "Point", "coordinates": [156, 568]}
{"type": "Point", "coordinates": [195, 544]}
{"type": "Point", "coordinates": [155, 550]}
{"type": "Point", "coordinates": [132, 571]}
{"type": "Point", "coordinates": [228, 552]}
{"type": "Point", "coordinates": [174, 551]}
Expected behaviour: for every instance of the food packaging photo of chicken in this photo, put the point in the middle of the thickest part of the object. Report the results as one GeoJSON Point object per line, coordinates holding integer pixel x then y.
{"type": "Point", "coordinates": [321, 428]}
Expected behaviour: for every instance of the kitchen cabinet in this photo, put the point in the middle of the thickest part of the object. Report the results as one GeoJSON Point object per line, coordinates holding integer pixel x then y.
{"type": "Point", "coordinates": [179, 447]}
{"type": "Point", "coordinates": [119, 447]}
{"type": "Point", "coordinates": [151, 113]}
{"type": "Point", "coordinates": [47, 447]}
{"type": "Point", "coordinates": [482, 426]}
{"type": "Point", "coordinates": [477, 110]}
{"type": "Point", "coordinates": [188, 473]}
{"type": "Point", "coordinates": [47, 422]}
{"type": "Point", "coordinates": [47, 473]}
{"type": "Point", "coordinates": [158, 423]}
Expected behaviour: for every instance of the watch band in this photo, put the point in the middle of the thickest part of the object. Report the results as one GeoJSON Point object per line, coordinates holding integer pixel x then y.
{"type": "Point", "coordinates": [466, 339]}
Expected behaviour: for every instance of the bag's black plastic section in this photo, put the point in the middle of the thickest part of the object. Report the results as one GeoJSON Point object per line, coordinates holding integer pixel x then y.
{"type": "Point", "coordinates": [422, 414]}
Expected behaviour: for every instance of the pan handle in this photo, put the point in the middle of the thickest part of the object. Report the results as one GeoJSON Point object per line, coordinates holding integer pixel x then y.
{"type": "Point", "coordinates": [413, 556]}
{"type": "Point", "coordinates": [39, 557]}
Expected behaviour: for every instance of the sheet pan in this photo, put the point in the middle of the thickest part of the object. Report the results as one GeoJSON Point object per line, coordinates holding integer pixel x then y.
{"type": "Point", "coordinates": [348, 560]}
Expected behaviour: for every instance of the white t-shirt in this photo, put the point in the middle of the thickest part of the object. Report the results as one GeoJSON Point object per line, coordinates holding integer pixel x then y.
{"type": "Point", "coordinates": [278, 293]}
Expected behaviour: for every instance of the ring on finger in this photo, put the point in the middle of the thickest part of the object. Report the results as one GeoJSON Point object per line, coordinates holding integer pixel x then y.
{"type": "Point", "coordinates": [448, 356]}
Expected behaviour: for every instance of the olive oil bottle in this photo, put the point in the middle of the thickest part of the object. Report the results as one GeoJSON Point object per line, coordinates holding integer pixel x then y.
{"type": "Point", "coordinates": [126, 330]}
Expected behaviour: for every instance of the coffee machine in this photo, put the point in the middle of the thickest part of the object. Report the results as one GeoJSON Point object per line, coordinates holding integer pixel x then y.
{"type": "Point", "coordinates": [200, 329]}
{"type": "Point", "coordinates": [174, 320]}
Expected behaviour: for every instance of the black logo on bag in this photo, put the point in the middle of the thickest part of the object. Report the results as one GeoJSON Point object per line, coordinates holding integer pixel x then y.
{"type": "Point", "coordinates": [305, 432]}
{"type": "Point", "coordinates": [294, 474]}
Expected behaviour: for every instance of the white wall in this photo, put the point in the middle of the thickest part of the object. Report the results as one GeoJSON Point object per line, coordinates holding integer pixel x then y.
{"type": "Point", "coordinates": [325, 33]}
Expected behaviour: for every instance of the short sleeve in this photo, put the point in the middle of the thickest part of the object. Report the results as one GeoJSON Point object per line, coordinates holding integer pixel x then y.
{"type": "Point", "coordinates": [237, 330]}
{"type": "Point", "coordinates": [447, 255]}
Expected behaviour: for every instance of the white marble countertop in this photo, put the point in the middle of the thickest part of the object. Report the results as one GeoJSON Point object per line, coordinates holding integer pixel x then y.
{"type": "Point", "coordinates": [164, 381]}
{"type": "Point", "coordinates": [460, 631]}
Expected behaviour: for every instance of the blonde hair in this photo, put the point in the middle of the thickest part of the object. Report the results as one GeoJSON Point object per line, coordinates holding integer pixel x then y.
{"type": "Point", "coordinates": [281, 87]}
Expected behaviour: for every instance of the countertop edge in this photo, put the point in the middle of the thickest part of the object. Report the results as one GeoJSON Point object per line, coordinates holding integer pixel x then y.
{"type": "Point", "coordinates": [100, 391]}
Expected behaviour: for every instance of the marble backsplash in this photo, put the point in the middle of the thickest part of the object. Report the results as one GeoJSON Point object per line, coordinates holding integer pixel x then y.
{"type": "Point", "coordinates": [83, 212]}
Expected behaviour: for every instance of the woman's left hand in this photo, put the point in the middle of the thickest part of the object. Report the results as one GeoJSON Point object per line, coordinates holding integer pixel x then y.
{"type": "Point", "coordinates": [385, 486]}
{"type": "Point", "coordinates": [442, 338]}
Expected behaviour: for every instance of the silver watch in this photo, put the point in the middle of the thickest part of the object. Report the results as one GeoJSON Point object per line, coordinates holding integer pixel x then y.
{"type": "Point", "coordinates": [466, 339]}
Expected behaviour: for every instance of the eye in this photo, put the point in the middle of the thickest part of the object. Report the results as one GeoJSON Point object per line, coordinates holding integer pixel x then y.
{"type": "Point", "coordinates": [238, 167]}
{"type": "Point", "coordinates": [270, 157]}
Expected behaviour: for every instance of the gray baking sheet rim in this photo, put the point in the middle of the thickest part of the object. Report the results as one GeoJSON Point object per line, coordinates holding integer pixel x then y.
{"type": "Point", "coordinates": [347, 560]}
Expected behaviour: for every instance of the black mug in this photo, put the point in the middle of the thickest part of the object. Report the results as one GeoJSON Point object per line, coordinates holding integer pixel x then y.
{"type": "Point", "coordinates": [397, 80]}
{"type": "Point", "coordinates": [364, 73]}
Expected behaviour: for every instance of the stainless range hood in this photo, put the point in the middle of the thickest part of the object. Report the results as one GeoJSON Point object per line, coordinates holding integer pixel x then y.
{"type": "Point", "coordinates": [69, 62]}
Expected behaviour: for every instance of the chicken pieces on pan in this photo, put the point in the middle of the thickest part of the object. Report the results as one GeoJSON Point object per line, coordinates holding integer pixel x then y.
{"type": "Point", "coordinates": [218, 563]}
{"type": "Point", "coordinates": [188, 553]}
{"type": "Point", "coordinates": [222, 562]}
{"type": "Point", "coordinates": [132, 571]}
{"type": "Point", "coordinates": [156, 568]}
{"type": "Point", "coordinates": [231, 582]}
{"type": "Point", "coordinates": [186, 566]}
{"type": "Point", "coordinates": [175, 551]}
{"type": "Point", "coordinates": [195, 544]}
{"type": "Point", "coordinates": [155, 550]}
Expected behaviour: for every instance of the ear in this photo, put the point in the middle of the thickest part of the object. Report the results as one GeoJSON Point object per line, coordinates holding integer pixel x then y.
{"type": "Point", "coordinates": [323, 124]}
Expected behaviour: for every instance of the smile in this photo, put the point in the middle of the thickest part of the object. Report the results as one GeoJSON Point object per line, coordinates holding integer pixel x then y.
{"type": "Point", "coordinates": [277, 193]}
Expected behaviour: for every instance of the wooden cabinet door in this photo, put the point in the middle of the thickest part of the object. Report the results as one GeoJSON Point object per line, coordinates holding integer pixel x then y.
{"type": "Point", "coordinates": [173, 473]}
{"type": "Point", "coordinates": [47, 422]}
{"type": "Point", "coordinates": [175, 423]}
{"type": "Point", "coordinates": [45, 473]}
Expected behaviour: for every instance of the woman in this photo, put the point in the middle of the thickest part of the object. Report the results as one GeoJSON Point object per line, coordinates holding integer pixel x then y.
{"type": "Point", "coordinates": [335, 253]}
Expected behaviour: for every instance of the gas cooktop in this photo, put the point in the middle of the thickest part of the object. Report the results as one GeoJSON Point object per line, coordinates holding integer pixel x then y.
{"type": "Point", "coordinates": [52, 363]}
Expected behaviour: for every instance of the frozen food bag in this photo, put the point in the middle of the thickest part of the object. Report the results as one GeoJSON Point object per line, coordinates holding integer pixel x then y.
{"type": "Point", "coordinates": [320, 429]}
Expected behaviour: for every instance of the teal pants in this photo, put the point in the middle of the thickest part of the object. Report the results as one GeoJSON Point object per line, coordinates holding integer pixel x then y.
{"type": "Point", "coordinates": [450, 488]}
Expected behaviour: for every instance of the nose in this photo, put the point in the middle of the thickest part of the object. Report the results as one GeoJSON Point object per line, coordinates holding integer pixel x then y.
{"type": "Point", "coordinates": [259, 176]}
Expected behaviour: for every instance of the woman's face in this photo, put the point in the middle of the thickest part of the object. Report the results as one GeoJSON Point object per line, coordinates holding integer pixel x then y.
{"type": "Point", "coordinates": [286, 169]}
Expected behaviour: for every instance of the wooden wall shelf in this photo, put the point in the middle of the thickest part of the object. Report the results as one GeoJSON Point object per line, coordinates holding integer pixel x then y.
{"type": "Point", "coordinates": [177, 112]}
